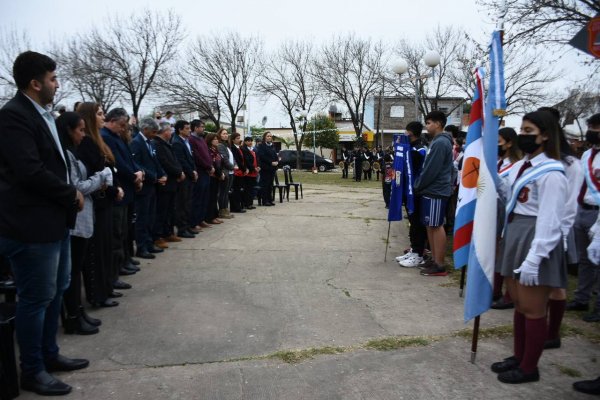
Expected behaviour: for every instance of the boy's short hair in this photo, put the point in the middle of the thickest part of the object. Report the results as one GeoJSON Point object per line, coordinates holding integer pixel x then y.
{"type": "Point", "coordinates": [436, 116]}
{"type": "Point", "coordinates": [31, 65]}
{"type": "Point", "coordinates": [594, 120]}
{"type": "Point", "coordinates": [415, 127]}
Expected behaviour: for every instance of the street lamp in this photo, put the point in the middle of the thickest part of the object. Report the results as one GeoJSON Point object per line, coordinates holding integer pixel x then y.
{"type": "Point", "coordinates": [431, 59]}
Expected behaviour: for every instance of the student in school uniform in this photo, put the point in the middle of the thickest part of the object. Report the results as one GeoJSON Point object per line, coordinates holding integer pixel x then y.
{"type": "Point", "coordinates": [532, 256]}
{"type": "Point", "coordinates": [508, 154]}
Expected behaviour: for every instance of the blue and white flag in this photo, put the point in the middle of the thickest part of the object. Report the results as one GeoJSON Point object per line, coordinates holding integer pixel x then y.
{"type": "Point", "coordinates": [482, 255]}
{"type": "Point", "coordinates": [402, 184]}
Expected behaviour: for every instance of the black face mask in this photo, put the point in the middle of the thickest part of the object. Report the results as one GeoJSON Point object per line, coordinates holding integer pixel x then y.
{"type": "Point", "coordinates": [592, 137]}
{"type": "Point", "coordinates": [527, 143]}
{"type": "Point", "coordinates": [501, 151]}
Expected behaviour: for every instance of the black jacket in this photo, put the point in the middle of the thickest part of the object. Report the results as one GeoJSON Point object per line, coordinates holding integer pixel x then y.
{"type": "Point", "coordinates": [184, 156]}
{"type": "Point", "coordinates": [266, 155]}
{"type": "Point", "coordinates": [169, 163]}
{"type": "Point", "coordinates": [37, 205]}
{"type": "Point", "coordinates": [148, 162]}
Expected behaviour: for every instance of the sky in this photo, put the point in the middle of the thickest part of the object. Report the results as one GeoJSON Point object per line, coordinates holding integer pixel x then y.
{"type": "Point", "coordinates": [272, 20]}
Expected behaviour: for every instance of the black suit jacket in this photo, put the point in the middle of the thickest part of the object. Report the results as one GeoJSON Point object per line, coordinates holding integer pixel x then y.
{"type": "Point", "coordinates": [184, 156]}
{"type": "Point", "coordinates": [266, 155]}
{"type": "Point", "coordinates": [148, 162]}
{"type": "Point", "coordinates": [169, 163]}
{"type": "Point", "coordinates": [37, 205]}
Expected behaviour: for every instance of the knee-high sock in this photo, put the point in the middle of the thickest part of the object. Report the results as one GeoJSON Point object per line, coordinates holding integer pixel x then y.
{"type": "Point", "coordinates": [498, 280]}
{"type": "Point", "coordinates": [536, 332]}
{"type": "Point", "coordinates": [519, 334]}
{"type": "Point", "coordinates": [556, 310]}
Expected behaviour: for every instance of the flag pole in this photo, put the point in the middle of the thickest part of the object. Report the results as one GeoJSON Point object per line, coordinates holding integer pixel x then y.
{"type": "Point", "coordinates": [462, 281]}
{"type": "Point", "coordinates": [475, 339]}
{"type": "Point", "coordinates": [387, 241]}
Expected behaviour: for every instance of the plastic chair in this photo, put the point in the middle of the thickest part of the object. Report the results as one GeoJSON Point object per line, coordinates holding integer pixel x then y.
{"type": "Point", "coordinates": [277, 185]}
{"type": "Point", "coordinates": [289, 181]}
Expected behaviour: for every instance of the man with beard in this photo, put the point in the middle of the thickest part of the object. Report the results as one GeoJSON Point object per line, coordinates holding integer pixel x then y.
{"type": "Point", "coordinates": [38, 205]}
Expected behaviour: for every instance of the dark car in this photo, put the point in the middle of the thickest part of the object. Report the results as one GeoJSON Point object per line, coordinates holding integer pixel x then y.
{"type": "Point", "coordinates": [288, 157]}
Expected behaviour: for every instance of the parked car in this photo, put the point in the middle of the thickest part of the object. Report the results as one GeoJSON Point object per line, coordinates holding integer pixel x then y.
{"type": "Point", "coordinates": [288, 157]}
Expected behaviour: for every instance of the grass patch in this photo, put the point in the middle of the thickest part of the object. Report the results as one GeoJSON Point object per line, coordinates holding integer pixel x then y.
{"type": "Point", "coordinates": [346, 292]}
{"type": "Point", "coordinates": [572, 372]}
{"type": "Point", "coordinates": [496, 332]}
{"type": "Point", "coordinates": [393, 343]}
{"type": "Point", "coordinates": [296, 356]}
{"type": "Point", "coordinates": [331, 178]}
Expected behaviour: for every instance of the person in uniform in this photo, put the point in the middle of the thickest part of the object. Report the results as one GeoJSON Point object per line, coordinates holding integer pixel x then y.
{"type": "Point", "coordinates": [531, 254]}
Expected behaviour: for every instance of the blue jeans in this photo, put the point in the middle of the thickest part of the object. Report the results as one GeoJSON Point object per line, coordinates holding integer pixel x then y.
{"type": "Point", "coordinates": [42, 273]}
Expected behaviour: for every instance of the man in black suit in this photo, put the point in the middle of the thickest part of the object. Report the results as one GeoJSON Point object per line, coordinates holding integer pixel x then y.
{"type": "Point", "coordinates": [165, 194]}
{"type": "Point", "coordinates": [268, 161]}
{"type": "Point", "coordinates": [183, 200]}
{"type": "Point", "coordinates": [38, 205]}
{"type": "Point", "coordinates": [144, 155]}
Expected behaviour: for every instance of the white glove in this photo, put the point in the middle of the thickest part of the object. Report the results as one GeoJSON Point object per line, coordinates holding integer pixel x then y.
{"type": "Point", "coordinates": [107, 175]}
{"type": "Point", "coordinates": [593, 250]}
{"type": "Point", "coordinates": [529, 273]}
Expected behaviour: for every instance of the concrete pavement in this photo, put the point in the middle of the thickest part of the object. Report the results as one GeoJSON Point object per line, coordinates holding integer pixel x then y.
{"type": "Point", "coordinates": [206, 319]}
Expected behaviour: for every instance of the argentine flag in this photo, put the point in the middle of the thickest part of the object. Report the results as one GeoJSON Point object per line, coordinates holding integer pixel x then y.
{"type": "Point", "coordinates": [482, 254]}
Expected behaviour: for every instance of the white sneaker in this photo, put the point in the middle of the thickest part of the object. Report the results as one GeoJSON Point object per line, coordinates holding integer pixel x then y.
{"type": "Point", "coordinates": [405, 256]}
{"type": "Point", "coordinates": [411, 262]}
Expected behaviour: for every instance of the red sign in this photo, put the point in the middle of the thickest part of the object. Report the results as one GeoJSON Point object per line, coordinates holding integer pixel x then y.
{"type": "Point", "coordinates": [594, 36]}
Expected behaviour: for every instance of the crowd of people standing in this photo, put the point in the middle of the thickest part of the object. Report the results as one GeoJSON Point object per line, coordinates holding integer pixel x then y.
{"type": "Point", "coordinates": [88, 194]}
{"type": "Point", "coordinates": [548, 218]}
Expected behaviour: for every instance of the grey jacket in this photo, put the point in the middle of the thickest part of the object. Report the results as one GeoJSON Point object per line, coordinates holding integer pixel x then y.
{"type": "Point", "coordinates": [84, 227]}
{"type": "Point", "coordinates": [436, 176]}
{"type": "Point", "coordinates": [227, 163]}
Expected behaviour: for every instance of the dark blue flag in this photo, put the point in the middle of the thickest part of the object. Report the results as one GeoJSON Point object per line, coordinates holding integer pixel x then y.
{"type": "Point", "coordinates": [402, 184]}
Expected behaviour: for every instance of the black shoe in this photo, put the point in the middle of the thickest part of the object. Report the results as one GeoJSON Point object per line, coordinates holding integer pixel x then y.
{"type": "Point", "coordinates": [502, 304]}
{"type": "Point", "coordinates": [44, 384]}
{"type": "Point", "coordinates": [155, 249]}
{"type": "Point", "coordinates": [238, 211]}
{"type": "Point", "coordinates": [121, 285]}
{"type": "Point", "coordinates": [552, 344]}
{"type": "Point", "coordinates": [576, 306]}
{"type": "Point", "coordinates": [62, 363]}
{"type": "Point", "coordinates": [592, 317]}
{"type": "Point", "coordinates": [115, 295]}
{"type": "Point", "coordinates": [132, 267]}
{"type": "Point", "coordinates": [106, 303]}
{"type": "Point", "coordinates": [126, 272]}
{"type": "Point", "coordinates": [517, 375]}
{"type": "Point", "coordinates": [251, 207]}
{"type": "Point", "coordinates": [268, 204]}
{"type": "Point", "coordinates": [146, 255]}
{"type": "Point", "coordinates": [589, 387]}
{"type": "Point", "coordinates": [79, 326]}
{"type": "Point", "coordinates": [507, 364]}
{"type": "Point", "coordinates": [186, 235]}
{"type": "Point", "coordinates": [88, 319]}
{"type": "Point", "coordinates": [134, 261]}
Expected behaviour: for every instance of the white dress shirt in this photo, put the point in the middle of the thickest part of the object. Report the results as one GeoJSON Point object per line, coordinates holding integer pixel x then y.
{"type": "Point", "coordinates": [589, 197]}
{"type": "Point", "coordinates": [574, 174]}
{"type": "Point", "coordinates": [544, 198]}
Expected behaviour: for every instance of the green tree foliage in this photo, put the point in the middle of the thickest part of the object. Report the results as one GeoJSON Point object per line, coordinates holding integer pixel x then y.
{"type": "Point", "coordinates": [326, 132]}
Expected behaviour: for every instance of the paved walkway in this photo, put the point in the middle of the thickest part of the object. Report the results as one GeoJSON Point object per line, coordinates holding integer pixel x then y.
{"type": "Point", "coordinates": [217, 317]}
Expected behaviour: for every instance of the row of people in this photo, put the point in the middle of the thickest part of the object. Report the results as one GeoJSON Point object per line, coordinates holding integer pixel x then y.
{"type": "Point", "coordinates": [82, 196]}
{"type": "Point", "coordinates": [550, 201]}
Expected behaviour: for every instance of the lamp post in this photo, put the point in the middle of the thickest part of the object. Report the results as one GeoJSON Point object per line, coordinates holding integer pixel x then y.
{"type": "Point", "coordinates": [431, 59]}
